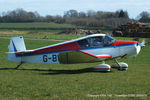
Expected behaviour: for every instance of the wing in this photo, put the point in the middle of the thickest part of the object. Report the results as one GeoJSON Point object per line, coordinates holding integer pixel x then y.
{"type": "Point", "coordinates": [104, 56]}
{"type": "Point", "coordinates": [81, 57]}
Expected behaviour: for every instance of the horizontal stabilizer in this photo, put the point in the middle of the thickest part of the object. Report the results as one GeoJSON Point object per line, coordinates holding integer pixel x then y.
{"type": "Point", "coordinates": [21, 52]}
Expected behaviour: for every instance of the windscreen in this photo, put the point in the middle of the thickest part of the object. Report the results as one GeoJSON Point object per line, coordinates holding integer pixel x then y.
{"type": "Point", "coordinates": [97, 41]}
{"type": "Point", "coordinates": [108, 40]}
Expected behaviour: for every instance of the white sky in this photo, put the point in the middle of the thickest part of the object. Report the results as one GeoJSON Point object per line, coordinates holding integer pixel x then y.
{"type": "Point", "coordinates": [57, 7]}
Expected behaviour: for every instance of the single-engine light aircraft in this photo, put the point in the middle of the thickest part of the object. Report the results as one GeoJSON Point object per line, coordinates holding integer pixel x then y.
{"type": "Point", "coordinates": [91, 48]}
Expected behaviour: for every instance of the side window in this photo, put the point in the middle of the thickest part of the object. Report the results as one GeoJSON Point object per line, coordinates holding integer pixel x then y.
{"type": "Point", "coordinates": [96, 41]}
{"type": "Point", "coordinates": [83, 43]}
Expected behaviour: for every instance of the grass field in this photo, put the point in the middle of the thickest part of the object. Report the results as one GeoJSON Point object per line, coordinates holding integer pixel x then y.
{"type": "Point", "coordinates": [42, 36]}
{"type": "Point", "coordinates": [36, 25]}
{"type": "Point", "coordinates": [39, 30]}
{"type": "Point", "coordinates": [72, 81]}
{"type": "Point", "coordinates": [36, 30]}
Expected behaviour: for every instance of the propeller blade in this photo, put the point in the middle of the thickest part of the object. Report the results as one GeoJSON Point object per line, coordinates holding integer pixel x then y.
{"type": "Point", "coordinates": [142, 44]}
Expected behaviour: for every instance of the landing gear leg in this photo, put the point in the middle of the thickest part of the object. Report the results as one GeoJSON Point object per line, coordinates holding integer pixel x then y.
{"type": "Point", "coordinates": [103, 62]}
{"type": "Point", "coordinates": [120, 65]}
{"type": "Point", "coordinates": [19, 65]}
{"type": "Point", "coordinates": [21, 62]}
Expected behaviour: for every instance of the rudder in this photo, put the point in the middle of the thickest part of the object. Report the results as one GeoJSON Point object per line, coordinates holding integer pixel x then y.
{"type": "Point", "coordinates": [16, 45]}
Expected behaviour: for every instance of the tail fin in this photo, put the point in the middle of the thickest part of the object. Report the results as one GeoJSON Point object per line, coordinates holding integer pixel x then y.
{"type": "Point", "coordinates": [16, 45]}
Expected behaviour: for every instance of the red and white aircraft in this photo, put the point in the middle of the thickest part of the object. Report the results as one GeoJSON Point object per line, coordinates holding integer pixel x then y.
{"type": "Point", "coordinates": [91, 48]}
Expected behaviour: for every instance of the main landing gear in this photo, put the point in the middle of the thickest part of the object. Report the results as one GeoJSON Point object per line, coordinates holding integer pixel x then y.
{"type": "Point", "coordinates": [107, 68]}
{"type": "Point", "coordinates": [120, 65]}
{"type": "Point", "coordinates": [102, 67]}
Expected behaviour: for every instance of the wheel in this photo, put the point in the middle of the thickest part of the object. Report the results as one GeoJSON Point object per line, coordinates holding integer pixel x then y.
{"type": "Point", "coordinates": [103, 68]}
{"type": "Point", "coordinates": [124, 66]}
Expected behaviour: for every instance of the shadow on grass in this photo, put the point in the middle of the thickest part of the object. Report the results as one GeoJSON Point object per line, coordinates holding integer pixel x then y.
{"type": "Point", "coordinates": [75, 71]}
{"type": "Point", "coordinates": [58, 72]}
{"type": "Point", "coordinates": [24, 69]}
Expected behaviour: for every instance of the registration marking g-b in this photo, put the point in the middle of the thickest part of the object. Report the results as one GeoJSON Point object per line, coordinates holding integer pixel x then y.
{"type": "Point", "coordinates": [50, 58]}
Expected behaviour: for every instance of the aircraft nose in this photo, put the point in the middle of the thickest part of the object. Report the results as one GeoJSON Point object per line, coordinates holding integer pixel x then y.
{"type": "Point", "coordinates": [134, 52]}
{"type": "Point", "coordinates": [138, 48]}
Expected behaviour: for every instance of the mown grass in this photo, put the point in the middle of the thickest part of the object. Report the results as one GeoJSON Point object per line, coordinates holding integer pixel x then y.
{"type": "Point", "coordinates": [72, 81]}
{"type": "Point", "coordinates": [36, 30]}
{"type": "Point", "coordinates": [29, 31]}
{"type": "Point", "coordinates": [34, 25]}
{"type": "Point", "coordinates": [44, 36]}
{"type": "Point", "coordinates": [39, 30]}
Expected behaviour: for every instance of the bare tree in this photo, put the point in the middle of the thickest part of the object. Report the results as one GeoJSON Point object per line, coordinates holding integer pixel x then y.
{"type": "Point", "coordinates": [71, 14]}
{"type": "Point", "coordinates": [144, 17]}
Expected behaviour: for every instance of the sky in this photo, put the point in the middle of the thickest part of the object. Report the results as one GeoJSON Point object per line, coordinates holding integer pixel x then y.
{"type": "Point", "coordinates": [58, 7]}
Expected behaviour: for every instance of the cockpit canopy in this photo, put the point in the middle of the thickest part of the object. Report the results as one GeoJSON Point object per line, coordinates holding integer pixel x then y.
{"type": "Point", "coordinates": [96, 41]}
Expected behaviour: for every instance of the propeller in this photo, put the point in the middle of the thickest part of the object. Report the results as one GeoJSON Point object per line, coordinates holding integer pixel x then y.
{"type": "Point", "coordinates": [142, 44]}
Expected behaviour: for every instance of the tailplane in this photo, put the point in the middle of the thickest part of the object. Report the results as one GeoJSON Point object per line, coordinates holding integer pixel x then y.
{"type": "Point", "coordinates": [16, 45]}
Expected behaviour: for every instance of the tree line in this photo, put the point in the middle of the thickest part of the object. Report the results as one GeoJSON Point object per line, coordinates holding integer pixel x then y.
{"type": "Point", "coordinates": [85, 19]}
